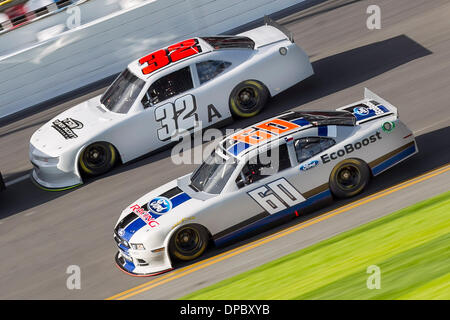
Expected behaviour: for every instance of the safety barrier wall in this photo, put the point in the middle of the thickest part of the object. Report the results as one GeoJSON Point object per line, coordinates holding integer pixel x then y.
{"type": "Point", "coordinates": [103, 47]}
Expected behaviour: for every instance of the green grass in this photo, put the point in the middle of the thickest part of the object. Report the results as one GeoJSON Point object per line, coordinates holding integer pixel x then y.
{"type": "Point", "coordinates": [411, 247]}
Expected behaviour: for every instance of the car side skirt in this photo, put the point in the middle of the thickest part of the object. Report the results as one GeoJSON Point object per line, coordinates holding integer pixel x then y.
{"type": "Point", "coordinates": [316, 198]}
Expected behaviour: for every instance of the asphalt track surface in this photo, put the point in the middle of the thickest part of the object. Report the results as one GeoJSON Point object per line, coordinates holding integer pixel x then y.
{"type": "Point", "coordinates": [407, 62]}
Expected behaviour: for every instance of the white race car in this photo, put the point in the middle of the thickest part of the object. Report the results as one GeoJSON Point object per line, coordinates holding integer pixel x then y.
{"type": "Point", "coordinates": [193, 84]}
{"type": "Point", "coordinates": [276, 169]}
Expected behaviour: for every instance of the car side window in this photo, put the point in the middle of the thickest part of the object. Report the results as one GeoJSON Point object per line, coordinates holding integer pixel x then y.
{"type": "Point", "coordinates": [210, 69]}
{"type": "Point", "coordinates": [168, 86]}
{"type": "Point", "coordinates": [306, 148]}
{"type": "Point", "coordinates": [264, 165]}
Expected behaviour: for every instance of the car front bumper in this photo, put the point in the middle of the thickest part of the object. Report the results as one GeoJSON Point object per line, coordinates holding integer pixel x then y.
{"type": "Point", "coordinates": [141, 262]}
{"type": "Point", "coordinates": [49, 174]}
{"type": "Point", "coordinates": [142, 268]}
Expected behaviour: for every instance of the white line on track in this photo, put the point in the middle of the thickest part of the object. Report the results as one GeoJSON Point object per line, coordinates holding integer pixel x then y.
{"type": "Point", "coordinates": [17, 180]}
{"type": "Point", "coordinates": [431, 126]}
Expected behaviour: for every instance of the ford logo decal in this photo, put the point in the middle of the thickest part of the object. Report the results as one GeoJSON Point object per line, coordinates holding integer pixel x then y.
{"type": "Point", "coordinates": [159, 205]}
{"type": "Point", "coordinates": [309, 165]}
{"type": "Point", "coordinates": [361, 111]}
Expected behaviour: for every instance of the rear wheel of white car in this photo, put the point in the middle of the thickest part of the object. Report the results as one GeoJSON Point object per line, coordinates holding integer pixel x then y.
{"type": "Point", "coordinates": [248, 98]}
{"type": "Point", "coordinates": [97, 158]}
{"type": "Point", "coordinates": [188, 242]}
{"type": "Point", "coordinates": [349, 177]}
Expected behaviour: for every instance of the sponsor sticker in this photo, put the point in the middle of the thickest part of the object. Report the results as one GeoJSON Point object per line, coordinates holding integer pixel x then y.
{"type": "Point", "coordinates": [309, 165]}
{"type": "Point", "coordinates": [65, 127]}
{"type": "Point", "coordinates": [388, 126]}
{"type": "Point", "coordinates": [361, 111]}
{"type": "Point", "coordinates": [144, 215]}
{"type": "Point", "coordinates": [159, 205]}
{"type": "Point", "coordinates": [351, 147]}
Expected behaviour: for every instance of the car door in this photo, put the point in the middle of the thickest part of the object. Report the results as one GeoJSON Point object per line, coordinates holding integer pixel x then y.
{"type": "Point", "coordinates": [213, 89]}
{"type": "Point", "coordinates": [169, 107]}
{"type": "Point", "coordinates": [312, 174]}
{"type": "Point", "coordinates": [262, 191]}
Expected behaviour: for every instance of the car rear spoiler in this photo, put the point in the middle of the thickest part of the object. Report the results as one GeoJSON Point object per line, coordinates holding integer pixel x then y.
{"type": "Point", "coordinates": [369, 95]}
{"type": "Point", "coordinates": [269, 22]}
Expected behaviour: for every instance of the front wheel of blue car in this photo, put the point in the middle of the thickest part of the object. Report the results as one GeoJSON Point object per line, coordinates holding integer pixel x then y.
{"type": "Point", "coordinates": [188, 242]}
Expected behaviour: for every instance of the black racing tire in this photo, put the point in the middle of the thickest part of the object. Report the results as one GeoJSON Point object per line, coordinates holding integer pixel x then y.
{"type": "Point", "coordinates": [188, 242]}
{"type": "Point", "coordinates": [248, 98]}
{"type": "Point", "coordinates": [97, 158]}
{"type": "Point", "coordinates": [349, 178]}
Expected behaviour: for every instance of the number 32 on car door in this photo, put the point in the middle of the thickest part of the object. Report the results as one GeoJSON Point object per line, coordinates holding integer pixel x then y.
{"type": "Point", "coordinates": [276, 196]}
{"type": "Point", "coordinates": [182, 114]}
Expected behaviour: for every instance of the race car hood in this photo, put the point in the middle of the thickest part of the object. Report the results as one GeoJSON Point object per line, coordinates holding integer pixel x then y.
{"type": "Point", "coordinates": [74, 126]}
{"type": "Point", "coordinates": [160, 209]}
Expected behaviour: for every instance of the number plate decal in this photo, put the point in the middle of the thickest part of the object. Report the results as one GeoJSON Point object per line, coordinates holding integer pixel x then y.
{"type": "Point", "coordinates": [163, 57]}
{"type": "Point", "coordinates": [173, 117]}
{"type": "Point", "coordinates": [276, 196]}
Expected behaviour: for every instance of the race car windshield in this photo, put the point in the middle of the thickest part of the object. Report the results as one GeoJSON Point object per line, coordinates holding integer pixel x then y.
{"type": "Point", "coordinates": [213, 174]}
{"type": "Point", "coordinates": [121, 95]}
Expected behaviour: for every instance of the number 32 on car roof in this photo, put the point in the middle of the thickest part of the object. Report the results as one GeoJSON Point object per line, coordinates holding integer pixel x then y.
{"type": "Point", "coordinates": [173, 53]}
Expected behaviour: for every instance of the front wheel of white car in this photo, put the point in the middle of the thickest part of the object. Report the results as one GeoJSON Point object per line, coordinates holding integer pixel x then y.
{"type": "Point", "coordinates": [97, 158]}
{"type": "Point", "coordinates": [188, 242]}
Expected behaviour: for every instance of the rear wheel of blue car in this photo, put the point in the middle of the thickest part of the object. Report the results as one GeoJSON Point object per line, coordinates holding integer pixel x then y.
{"type": "Point", "coordinates": [97, 158]}
{"type": "Point", "coordinates": [349, 177]}
{"type": "Point", "coordinates": [248, 98]}
{"type": "Point", "coordinates": [188, 242]}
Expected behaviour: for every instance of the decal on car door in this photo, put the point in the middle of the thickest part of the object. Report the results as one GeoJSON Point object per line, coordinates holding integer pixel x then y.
{"type": "Point", "coordinates": [181, 115]}
{"type": "Point", "coordinates": [276, 196]}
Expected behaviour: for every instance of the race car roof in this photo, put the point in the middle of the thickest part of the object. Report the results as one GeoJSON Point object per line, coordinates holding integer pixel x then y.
{"type": "Point", "coordinates": [166, 57]}
{"type": "Point", "coordinates": [240, 143]}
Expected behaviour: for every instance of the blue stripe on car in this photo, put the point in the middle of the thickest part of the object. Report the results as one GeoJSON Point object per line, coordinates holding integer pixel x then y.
{"type": "Point", "coordinates": [137, 224]}
{"type": "Point", "coordinates": [238, 148]}
{"type": "Point", "coordinates": [383, 108]}
{"type": "Point", "coordinates": [179, 199]}
{"type": "Point", "coordinates": [132, 228]}
{"type": "Point", "coordinates": [322, 131]}
{"type": "Point", "coordinates": [123, 248]}
{"type": "Point", "coordinates": [301, 122]}
{"type": "Point", "coordinates": [272, 218]}
{"type": "Point", "coordinates": [393, 160]}
{"type": "Point", "coordinates": [129, 266]}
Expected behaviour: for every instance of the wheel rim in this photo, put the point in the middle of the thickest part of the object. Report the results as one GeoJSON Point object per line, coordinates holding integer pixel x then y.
{"type": "Point", "coordinates": [348, 177]}
{"type": "Point", "coordinates": [95, 156]}
{"type": "Point", "coordinates": [188, 241]}
{"type": "Point", "coordinates": [247, 98]}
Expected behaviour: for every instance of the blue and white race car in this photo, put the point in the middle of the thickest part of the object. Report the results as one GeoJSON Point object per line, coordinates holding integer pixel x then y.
{"type": "Point", "coordinates": [275, 169]}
